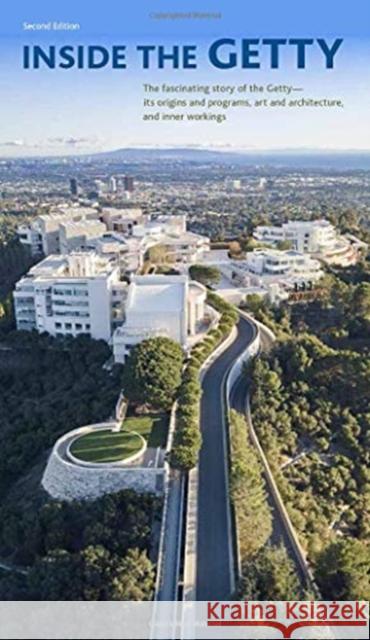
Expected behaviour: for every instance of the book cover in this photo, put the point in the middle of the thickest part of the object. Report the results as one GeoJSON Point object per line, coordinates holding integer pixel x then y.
{"type": "Point", "coordinates": [184, 319]}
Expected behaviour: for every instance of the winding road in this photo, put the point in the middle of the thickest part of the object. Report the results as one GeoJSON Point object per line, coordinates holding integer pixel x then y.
{"type": "Point", "coordinates": [215, 553]}
{"type": "Point", "coordinates": [215, 557]}
{"type": "Point", "coordinates": [213, 531]}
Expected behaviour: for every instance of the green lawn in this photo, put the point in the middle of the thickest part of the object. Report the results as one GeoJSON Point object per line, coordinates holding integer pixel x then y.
{"type": "Point", "coordinates": [105, 446]}
{"type": "Point", "coordinates": [153, 427]}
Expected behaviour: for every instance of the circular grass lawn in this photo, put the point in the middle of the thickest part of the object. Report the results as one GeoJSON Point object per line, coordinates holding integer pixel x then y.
{"type": "Point", "coordinates": [106, 446]}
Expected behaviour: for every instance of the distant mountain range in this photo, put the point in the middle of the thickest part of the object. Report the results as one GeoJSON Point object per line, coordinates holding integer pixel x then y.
{"type": "Point", "coordinates": [173, 153]}
{"type": "Point", "coordinates": [302, 158]}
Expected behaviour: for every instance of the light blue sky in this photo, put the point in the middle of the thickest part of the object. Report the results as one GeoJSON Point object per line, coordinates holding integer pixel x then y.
{"type": "Point", "coordinates": [59, 111]}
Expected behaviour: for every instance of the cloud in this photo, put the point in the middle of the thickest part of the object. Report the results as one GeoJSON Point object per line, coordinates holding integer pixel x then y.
{"type": "Point", "coordinates": [13, 143]}
{"type": "Point", "coordinates": [72, 141]}
{"type": "Point", "coordinates": [68, 141]}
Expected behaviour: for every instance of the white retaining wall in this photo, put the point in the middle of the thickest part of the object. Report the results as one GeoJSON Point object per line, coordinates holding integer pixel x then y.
{"type": "Point", "coordinates": [173, 480]}
{"type": "Point", "coordinates": [233, 374]}
{"type": "Point", "coordinates": [237, 367]}
{"type": "Point", "coordinates": [66, 481]}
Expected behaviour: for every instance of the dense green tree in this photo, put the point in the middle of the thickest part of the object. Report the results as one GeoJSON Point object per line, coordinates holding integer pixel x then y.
{"type": "Point", "coordinates": [343, 570]}
{"type": "Point", "coordinates": [235, 250]}
{"type": "Point", "coordinates": [56, 576]}
{"type": "Point", "coordinates": [152, 374]}
{"type": "Point", "coordinates": [42, 380]}
{"type": "Point", "coordinates": [79, 550]}
{"type": "Point", "coordinates": [270, 575]}
{"type": "Point", "coordinates": [133, 578]}
{"type": "Point", "coordinates": [316, 403]}
{"type": "Point", "coordinates": [361, 300]}
{"type": "Point", "coordinates": [266, 381]}
{"type": "Point", "coordinates": [187, 439]}
{"type": "Point", "coordinates": [15, 260]}
{"type": "Point", "coordinates": [13, 586]}
{"type": "Point", "coordinates": [159, 255]}
{"type": "Point", "coordinates": [204, 274]}
{"type": "Point", "coordinates": [284, 245]}
{"type": "Point", "coordinates": [118, 521]}
{"type": "Point", "coordinates": [91, 574]}
{"type": "Point", "coordinates": [254, 302]}
{"type": "Point", "coordinates": [247, 490]}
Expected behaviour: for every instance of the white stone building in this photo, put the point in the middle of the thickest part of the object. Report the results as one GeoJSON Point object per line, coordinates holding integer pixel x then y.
{"type": "Point", "coordinates": [317, 237]}
{"type": "Point", "coordinates": [79, 288]}
{"type": "Point", "coordinates": [132, 245]}
{"type": "Point", "coordinates": [273, 272]}
{"type": "Point", "coordinates": [127, 253]}
{"type": "Point", "coordinates": [292, 264]}
{"type": "Point", "coordinates": [42, 234]}
{"type": "Point", "coordinates": [123, 220]}
{"type": "Point", "coordinates": [78, 234]}
{"type": "Point", "coordinates": [80, 293]}
{"type": "Point", "coordinates": [74, 228]}
{"type": "Point", "coordinates": [160, 305]}
{"type": "Point", "coordinates": [181, 246]}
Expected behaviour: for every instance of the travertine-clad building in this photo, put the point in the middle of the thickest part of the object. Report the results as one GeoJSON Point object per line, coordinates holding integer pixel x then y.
{"type": "Point", "coordinates": [170, 306]}
{"type": "Point", "coordinates": [305, 236]}
{"type": "Point", "coordinates": [42, 235]}
{"type": "Point", "coordinates": [87, 282]}
{"type": "Point", "coordinates": [74, 228]}
{"type": "Point", "coordinates": [271, 262]}
{"type": "Point", "coordinates": [317, 237]}
{"type": "Point", "coordinates": [80, 293]}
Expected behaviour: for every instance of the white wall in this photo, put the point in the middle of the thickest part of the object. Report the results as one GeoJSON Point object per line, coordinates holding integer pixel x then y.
{"type": "Point", "coordinates": [100, 308]}
{"type": "Point", "coordinates": [65, 481]}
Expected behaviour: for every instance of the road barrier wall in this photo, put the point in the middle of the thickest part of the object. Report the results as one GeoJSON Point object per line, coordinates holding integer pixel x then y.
{"type": "Point", "coordinates": [173, 488]}
{"type": "Point", "coordinates": [233, 375]}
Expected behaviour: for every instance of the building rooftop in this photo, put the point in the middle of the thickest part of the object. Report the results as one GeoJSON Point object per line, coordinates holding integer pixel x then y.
{"type": "Point", "coordinates": [276, 253]}
{"type": "Point", "coordinates": [82, 264]}
{"type": "Point", "coordinates": [152, 294]}
{"type": "Point", "coordinates": [309, 223]}
{"type": "Point", "coordinates": [77, 224]}
{"type": "Point", "coordinates": [51, 265]}
{"type": "Point", "coordinates": [298, 224]}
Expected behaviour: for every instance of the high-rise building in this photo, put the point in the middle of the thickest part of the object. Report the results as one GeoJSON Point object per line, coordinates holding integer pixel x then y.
{"type": "Point", "coordinates": [128, 183]}
{"type": "Point", "coordinates": [112, 184]}
{"type": "Point", "coordinates": [73, 185]}
{"type": "Point", "coordinates": [263, 183]}
{"type": "Point", "coordinates": [100, 186]}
